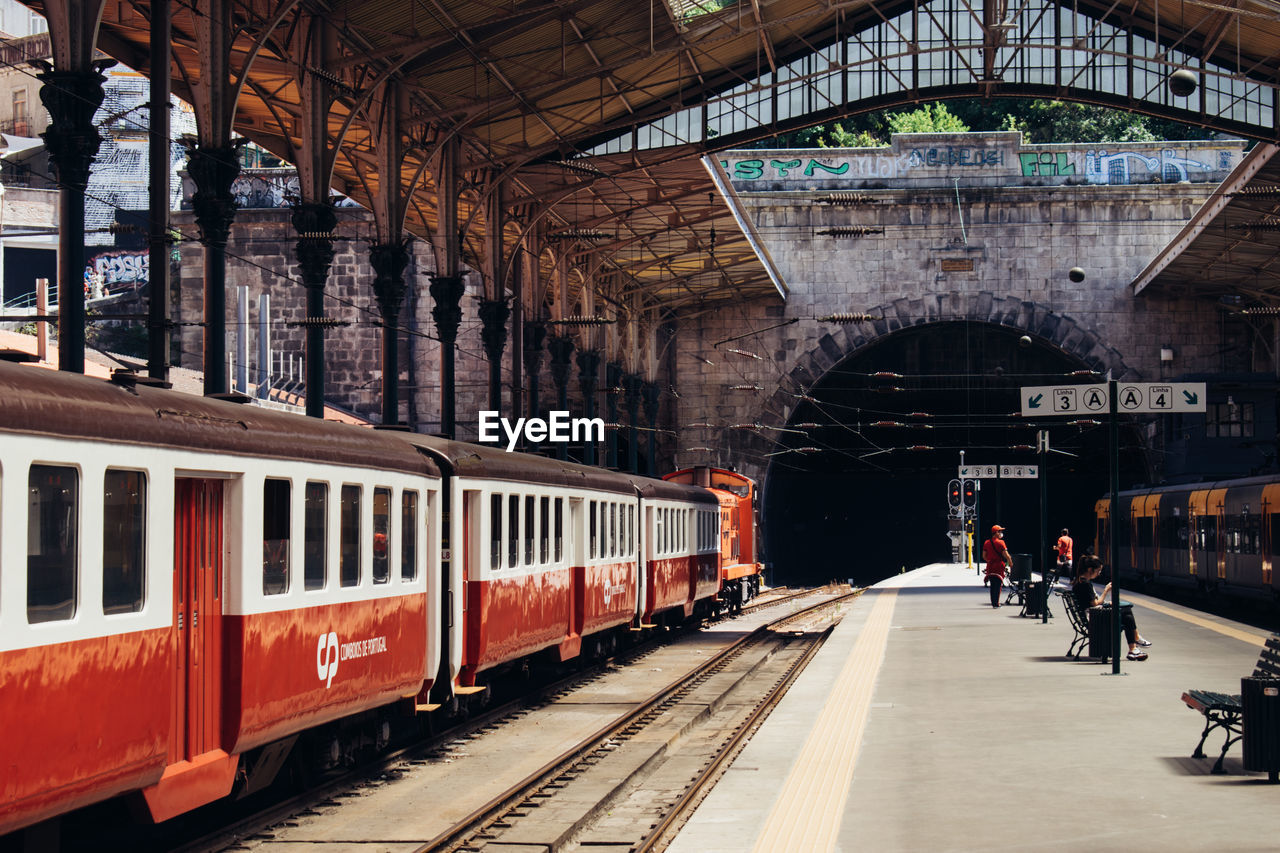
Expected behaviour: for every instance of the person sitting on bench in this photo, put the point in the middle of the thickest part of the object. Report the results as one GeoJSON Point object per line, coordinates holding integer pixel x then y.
{"type": "Point", "coordinates": [1082, 590]}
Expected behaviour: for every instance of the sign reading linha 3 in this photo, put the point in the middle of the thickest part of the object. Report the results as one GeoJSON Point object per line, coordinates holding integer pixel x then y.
{"type": "Point", "coordinates": [1132, 397]}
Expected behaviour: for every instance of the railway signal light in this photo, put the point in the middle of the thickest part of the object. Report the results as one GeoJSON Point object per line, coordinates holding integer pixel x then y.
{"type": "Point", "coordinates": [953, 493]}
{"type": "Point", "coordinates": [970, 493]}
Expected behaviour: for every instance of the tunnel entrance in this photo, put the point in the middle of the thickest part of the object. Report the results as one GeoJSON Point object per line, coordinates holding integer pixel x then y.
{"type": "Point", "coordinates": [858, 487]}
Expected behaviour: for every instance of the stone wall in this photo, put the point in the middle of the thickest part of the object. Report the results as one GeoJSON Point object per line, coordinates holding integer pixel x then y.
{"type": "Point", "coordinates": [917, 254]}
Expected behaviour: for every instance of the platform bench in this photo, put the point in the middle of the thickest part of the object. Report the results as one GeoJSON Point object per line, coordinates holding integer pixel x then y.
{"type": "Point", "coordinates": [1225, 710]}
{"type": "Point", "coordinates": [1079, 622]}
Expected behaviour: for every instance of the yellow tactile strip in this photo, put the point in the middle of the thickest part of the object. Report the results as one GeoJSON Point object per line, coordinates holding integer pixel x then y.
{"type": "Point", "coordinates": [1253, 638]}
{"type": "Point", "coordinates": [806, 816]}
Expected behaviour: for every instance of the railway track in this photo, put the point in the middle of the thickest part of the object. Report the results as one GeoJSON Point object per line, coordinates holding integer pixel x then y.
{"type": "Point", "coordinates": [694, 717]}
{"type": "Point", "coordinates": [629, 784]}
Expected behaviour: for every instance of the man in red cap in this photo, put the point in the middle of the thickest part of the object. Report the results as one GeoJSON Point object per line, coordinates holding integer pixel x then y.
{"type": "Point", "coordinates": [996, 553]}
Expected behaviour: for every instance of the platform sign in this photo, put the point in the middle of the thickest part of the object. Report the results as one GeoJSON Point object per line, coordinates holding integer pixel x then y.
{"type": "Point", "coordinates": [979, 472]}
{"type": "Point", "coordinates": [1019, 472]}
{"type": "Point", "coordinates": [1048, 400]}
{"type": "Point", "coordinates": [1133, 398]}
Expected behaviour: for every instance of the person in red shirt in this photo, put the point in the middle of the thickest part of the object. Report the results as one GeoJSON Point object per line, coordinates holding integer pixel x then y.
{"type": "Point", "coordinates": [996, 553]}
{"type": "Point", "coordinates": [1064, 553]}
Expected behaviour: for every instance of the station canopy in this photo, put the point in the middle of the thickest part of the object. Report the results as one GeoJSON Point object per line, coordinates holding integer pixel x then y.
{"type": "Point", "coordinates": [1230, 249]}
{"type": "Point", "coordinates": [536, 90]}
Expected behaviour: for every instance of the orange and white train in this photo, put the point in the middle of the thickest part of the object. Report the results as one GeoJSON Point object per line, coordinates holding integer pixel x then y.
{"type": "Point", "coordinates": [194, 593]}
{"type": "Point", "coordinates": [740, 567]}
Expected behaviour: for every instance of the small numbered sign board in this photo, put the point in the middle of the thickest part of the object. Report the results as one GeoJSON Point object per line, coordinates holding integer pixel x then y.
{"type": "Point", "coordinates": [979, 472]}
{"type": "Point", "coordinates": [1019, 472]}
{"type": "Point", "coordinates": [1133, 397]}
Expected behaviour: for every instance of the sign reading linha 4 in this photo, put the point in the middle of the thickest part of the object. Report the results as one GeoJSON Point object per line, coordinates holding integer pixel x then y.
{"type": "Point", "coordinates": [1145, 397]}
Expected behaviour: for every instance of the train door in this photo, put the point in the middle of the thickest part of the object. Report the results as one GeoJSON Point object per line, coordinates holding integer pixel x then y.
{"type": "Point", "coordinates": [578, 577]}
{"type": "Point", "coordinates": [1270, 545]}
{"type": "Point", "coordinates": [197, 593]}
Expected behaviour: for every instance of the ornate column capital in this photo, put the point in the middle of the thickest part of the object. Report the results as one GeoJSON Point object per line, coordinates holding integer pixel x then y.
{"type": "Point", "coordinates": [314, 222]}
{"type": "Point", "coordinates": [389, 261]}
{"type": "Point", "coordinates": [588, 369]}
{"type": "Point", "coordinates": [447, 292]}
{"type": "Point", "coordinates": [494, 314]}
{"type": "Point", "coordinates": [72, 97]}
{"type": "Point", "coordinates": [561, 349]}
{"type": "Point", "coordinates": [652, 397]}
{"type": "Point", "coordinates": [214, 170]}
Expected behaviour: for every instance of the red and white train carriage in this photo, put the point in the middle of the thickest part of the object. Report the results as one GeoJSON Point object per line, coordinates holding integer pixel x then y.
{"type": "Point", "coordinates": [183, 581]}
{"type": "Point", "coordinates": [192, 589]}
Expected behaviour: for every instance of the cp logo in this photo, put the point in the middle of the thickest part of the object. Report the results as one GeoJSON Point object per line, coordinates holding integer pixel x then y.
{"type": "Point", "coordinates": [327, 658]}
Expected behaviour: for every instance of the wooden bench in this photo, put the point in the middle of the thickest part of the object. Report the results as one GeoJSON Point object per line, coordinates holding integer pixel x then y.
{"type": "Point", "coordinates": [1079, 622]}
{"type": "Point", "coordinates": [1226, 711]}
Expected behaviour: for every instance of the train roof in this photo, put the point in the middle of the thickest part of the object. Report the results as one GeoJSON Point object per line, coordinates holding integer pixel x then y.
{"type": "Point", "coordinates": [1259, 480]}
{"type": "Point", "coordinates": [491, 462]}
{"type": "Point", "coordinates": [50, 402]}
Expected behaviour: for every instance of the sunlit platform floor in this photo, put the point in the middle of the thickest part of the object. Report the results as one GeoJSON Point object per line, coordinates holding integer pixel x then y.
{"type": "Point", "coordinates": [931, 722]}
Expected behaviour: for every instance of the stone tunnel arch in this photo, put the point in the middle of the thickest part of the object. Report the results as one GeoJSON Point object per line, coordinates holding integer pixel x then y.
{"type": "Point", "coordinates": [811, 506]}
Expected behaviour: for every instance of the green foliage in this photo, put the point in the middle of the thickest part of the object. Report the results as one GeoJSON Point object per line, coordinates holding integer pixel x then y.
{"type": "Point", "coordinates": [930, 118]}
{"type": "Point", "coordinates": [1040, 122]}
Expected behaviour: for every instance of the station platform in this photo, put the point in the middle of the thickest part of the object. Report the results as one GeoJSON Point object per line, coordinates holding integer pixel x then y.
{"type": "Point", "coordinates": [931, 721]}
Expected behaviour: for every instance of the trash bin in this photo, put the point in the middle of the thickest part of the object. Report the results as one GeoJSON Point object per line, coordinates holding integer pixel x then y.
{"type": "Point", "coordinates": [1260, 719]}
{"type": "Point", "coordinates": [1021, 568]}
{"type": "Point", "coordinates": [1035, 603]}
{"type": "Point", "coordinates": [1099, 632]}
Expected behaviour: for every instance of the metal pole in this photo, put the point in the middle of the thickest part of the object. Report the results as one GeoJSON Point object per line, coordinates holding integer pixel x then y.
{"type": "Point", "coordinates": [264, 346]}
{"type": "Point", "coordinates": [1043, 442]}
{"type": "Point", "coordinates": [161, 165]}
{"type": "Point", "coordinates": [242, 339]}
{"type": "Point", "coordinates": [1115, 523]}
{"type": "Point", "coordinates": [964, 533]}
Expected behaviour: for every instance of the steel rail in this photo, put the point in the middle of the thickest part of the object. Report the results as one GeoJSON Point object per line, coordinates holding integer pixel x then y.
{"type": "Point", "coordinates": [492, 811]}
{"type": "Point", "coordinates": [730, 749]}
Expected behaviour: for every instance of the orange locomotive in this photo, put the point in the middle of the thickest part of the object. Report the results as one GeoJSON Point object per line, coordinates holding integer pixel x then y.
{"type": "Point", "coordinates": [740, 569]}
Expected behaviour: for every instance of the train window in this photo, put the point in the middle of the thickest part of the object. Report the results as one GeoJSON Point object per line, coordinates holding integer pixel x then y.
{"type": "Point", "coordinates": [53, 552]}
{"type": "Point", "coordinates": [381, 532]}
{"type": "Point", "coordinates": [657, 539]}
{"type": "Point", "coordinates": [275, 536]}
{"type": "Point", "coordinates": [124, 555]}
{"type": "Point", "coordinates": [529, 504]}
{"type": "Point", "coordinates": [408, 535]}
{"type": "Point", "coordinates": [1146, 533]}
{"type": "Point", "coordinates": [544, 529]}
{"type": "Point", "coordinates": [495, 531]}
{"type": "Point", "coordinates": [559, 529]}
{"type": "Point", "coordinates": [613, 530]}
{"type": "Point", "coordinates": [315, 536]}
{"type": "Point", "coordinates": [513, 531]}
{"type": "Point", "coordinates": [1252, 535]}
{"type": "Point", "coordinates": [604, 529]}
{"type": "Point", "coordinates": [349, 537]}
{"type": "Point", "coordinates": [591, 533]}
{"type": "Point", "coordinates": [1207, 533]}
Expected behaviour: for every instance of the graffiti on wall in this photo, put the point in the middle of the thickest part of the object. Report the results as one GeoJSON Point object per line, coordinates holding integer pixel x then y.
{"type": "Point", "coordinates": [949, 155]}
{"type": "Point", "coordinates": [755, 169]}
{"type": "Point", "coordinates": [1116, 167]}
{"type": "Point", "coordinates": [982, 159]}
{"type": "Point", "coordinates": [116, 271]}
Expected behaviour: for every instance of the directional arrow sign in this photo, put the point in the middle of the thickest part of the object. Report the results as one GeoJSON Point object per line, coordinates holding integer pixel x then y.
{"type": "Point", "coordinates": [978, 472]}
{"type": "Point", "coordinates": [1019, 472]}
{"type": "Point", "coordinates": [1132, 398]}
{"type": "Point", "coordinates": [1161, 397]}
{"type": "Point", "coordinates": [1042, 400]}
